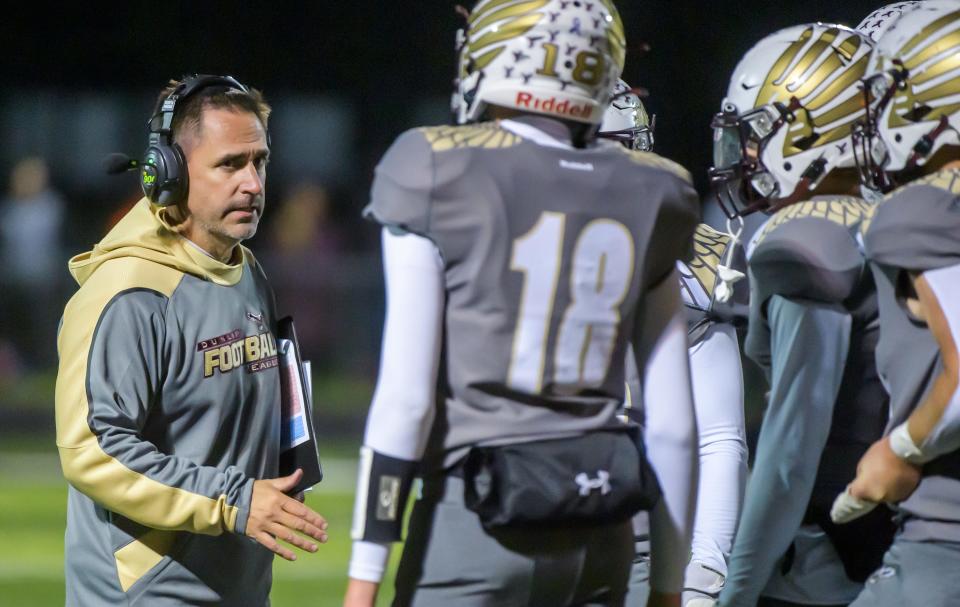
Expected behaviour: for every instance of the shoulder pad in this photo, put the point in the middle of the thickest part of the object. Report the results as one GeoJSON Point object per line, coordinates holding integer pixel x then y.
{"type": "Point", "coordinates": [403, 185]}
{"type": "Point", "coordinates": [671, 240]}
{"type": "Point", "coordinates": [486, 135]}
{"type": "Point", "coordinates": [656, 161]}
{"type": "Point", "coordinates": [810, 250]}
{"type": "Point", "coordinates": [917, 226]}
{"type": "Point", "coordinates": [848, 212]}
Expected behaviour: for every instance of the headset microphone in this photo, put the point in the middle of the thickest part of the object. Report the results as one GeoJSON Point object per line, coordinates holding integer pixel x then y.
{"type": "Point", "coordinates": [114, 164]}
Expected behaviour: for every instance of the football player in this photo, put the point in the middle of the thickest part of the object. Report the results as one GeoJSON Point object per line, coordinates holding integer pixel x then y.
{"type": "Point", "coordinates": [782, 144]}
{"type": "Point", "coordinates": [910, 138]}
{"type": "Point", "coordinates": [523, 258]}
{"type": "Point", "coordinates": [717, 379]}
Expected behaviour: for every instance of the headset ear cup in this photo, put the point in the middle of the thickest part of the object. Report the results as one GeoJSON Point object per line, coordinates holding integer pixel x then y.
{"type": "Point", "coordinates": [176, 187]}
{"type": "Point", "coordinates": [163, 174]}
{"type": "Point", "coordinates": [152, 173]}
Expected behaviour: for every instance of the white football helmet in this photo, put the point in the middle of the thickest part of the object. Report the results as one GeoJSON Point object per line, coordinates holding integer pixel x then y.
{"type": "Point", "coordinates": [785, 122]}
{"type": "Point", "coordinates": [626, 120]}
{"type": "Point", "coordinates": [879, 21]}
{"type": "Point", "coordinates": [912, 90]}
{"type": "Point", "coordinates": [555, 57]}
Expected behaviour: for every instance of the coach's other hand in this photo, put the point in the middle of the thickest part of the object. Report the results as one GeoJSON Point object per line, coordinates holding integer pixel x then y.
{"type": "Point", "coordinates": [276, 516]}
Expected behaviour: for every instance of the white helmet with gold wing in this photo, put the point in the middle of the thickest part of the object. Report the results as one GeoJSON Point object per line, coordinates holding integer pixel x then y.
{"type": "Point", "coordinates": [912, 90]}
{"type": "Point", "coordinates": [560, 58]}
{"type": "Point", "coordinates": [785, 122]}
{"type": "Point", "coordinates": [626, 120]}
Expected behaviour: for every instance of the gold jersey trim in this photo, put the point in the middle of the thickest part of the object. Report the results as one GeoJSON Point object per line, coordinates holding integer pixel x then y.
{"type": "Point", "coordinates": [654, 160]}
{"type": "Point", "coordinates": [709, 247]}
{"type": "Point", "coordinates": [486, 135]}
{"type": "Point", "coordinates": [847, 212]}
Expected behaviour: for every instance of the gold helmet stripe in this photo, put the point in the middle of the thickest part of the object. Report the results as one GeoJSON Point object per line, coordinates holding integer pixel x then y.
{"type": "Point", "coordinates": [616, 37]}
{"type": "Point", "coordinates": [817, 66]}
{"type": "Point", "coordinates": [848, 79]}
{"type": "Point", "coordinates": [483, 9]}
{"type": "Point", "coordinates": [833, 63]}
{"type": "Point", "coordinates": [923, 47]}
{"type": "Point", "coordinates": [849, 109]}
{"type": "Point", "coordinates": [926, 34]}
{"type": "Point", "coordinates": [510, 11]}
{"type": "Point", "coordinates": [515, 28]}
{"type": "Point", "coordinates": [485, 59]}
{"type": "Point", "coordinates": [941, 67]}
{"type": "Point", "coordinates": [771, 89]}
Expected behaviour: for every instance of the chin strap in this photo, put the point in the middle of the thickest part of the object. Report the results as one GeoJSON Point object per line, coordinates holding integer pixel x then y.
{"type": "Point", "coordinates": [725, 272]}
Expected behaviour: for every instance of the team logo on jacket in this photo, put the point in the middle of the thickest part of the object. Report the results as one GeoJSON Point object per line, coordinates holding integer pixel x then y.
{"type": "Point", "coordinates": [233, 350]}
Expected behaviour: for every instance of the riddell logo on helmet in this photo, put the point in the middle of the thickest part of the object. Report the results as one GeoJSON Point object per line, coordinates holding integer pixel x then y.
{"type": "Point", "coordinates": [533, 102]}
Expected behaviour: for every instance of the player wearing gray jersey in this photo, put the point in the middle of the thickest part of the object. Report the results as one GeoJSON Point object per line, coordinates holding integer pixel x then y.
{"type": "Point", "coordinates": [782, 144]}
{"type": "Point", "coordinates": [712, 304]}
{"type": "Point", "coordinates": [522, 252]}
{"type": "Point", "coordinates": [914, 253]}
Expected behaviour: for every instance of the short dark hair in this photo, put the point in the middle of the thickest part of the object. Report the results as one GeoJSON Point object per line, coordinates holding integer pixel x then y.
{"type": "Point", "coordinates": [188, 114]}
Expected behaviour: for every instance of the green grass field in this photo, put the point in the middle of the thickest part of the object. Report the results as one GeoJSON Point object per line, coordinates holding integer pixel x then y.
{"type": "Point", "coordinates": [33, 516]}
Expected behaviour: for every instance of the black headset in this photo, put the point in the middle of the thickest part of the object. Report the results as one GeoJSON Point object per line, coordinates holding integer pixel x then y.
{"type": "Point", "coordinates": [163, 171]}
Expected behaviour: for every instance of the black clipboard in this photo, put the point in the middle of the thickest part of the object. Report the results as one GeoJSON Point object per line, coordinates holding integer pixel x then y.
{"type": "Point", "coordinates": [298, 439]}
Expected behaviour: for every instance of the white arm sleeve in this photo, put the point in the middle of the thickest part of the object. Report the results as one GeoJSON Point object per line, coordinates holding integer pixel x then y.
{"type": "Point", "coordinates": [945, 436]}
{"type": "Point", "coordinates": [402, 410]}
{"type": "Point", "coordinates": [717, 378]}
{"type": "Point", "coordinates": [670, 432]}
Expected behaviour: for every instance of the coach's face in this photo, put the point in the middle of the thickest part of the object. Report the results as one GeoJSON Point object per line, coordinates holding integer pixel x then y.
{"type": "Point", "coordinates": [227, 162]}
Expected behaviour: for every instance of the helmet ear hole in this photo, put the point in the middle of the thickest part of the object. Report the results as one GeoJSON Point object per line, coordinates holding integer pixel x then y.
{"type": "Point", "coordinates": [787, 166]}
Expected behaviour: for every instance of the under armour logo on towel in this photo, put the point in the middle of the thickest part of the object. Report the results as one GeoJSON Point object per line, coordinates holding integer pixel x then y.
{"type": "Point", "coordinates": [587, 484]}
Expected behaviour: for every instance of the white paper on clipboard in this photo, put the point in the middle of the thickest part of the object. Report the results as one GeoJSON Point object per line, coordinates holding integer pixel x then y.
{"type": "Point", "coordinates": [294, 425]}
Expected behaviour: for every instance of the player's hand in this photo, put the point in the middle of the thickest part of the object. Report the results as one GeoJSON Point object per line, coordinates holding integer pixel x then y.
{"type": "Point", "coordinates": [882, 476]}
{"type": "Point", "coordinates": [360, 593]}
{"type": "Point", "coordinates": [277, 516]}
{"type": "Point", "coordinates": [663, 599]}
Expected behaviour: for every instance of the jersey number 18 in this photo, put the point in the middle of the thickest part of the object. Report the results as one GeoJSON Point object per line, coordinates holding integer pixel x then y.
{"type": "Point", "coordinates": [600, 274]}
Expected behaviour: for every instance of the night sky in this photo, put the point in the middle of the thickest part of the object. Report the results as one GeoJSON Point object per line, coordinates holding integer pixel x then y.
{"type": "Point", "coordinates": [381, 55]}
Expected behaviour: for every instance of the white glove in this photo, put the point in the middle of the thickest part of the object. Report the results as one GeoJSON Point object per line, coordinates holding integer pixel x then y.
{"type": "Point", "coordinates": [701, 585]}
{"type": "Point", "coordinates": [847, 508]}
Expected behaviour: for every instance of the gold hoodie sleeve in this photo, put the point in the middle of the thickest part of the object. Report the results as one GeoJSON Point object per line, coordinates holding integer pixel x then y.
{"type": "Point", "coordinates": [128, 475]}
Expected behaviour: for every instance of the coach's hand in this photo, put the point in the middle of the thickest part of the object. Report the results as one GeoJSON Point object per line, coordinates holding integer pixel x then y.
{"type": "Point", "coordinates": [360, 593]}
{"type": "Point", "coordinates": [276, 516]}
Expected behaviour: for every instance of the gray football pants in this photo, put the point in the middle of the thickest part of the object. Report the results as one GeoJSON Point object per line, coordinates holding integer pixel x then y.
{"type": "Point", "coordinates": [915, 573]}
{"type": "Point", "coordinates": [449, 559]}
{"type": "Point", "coordinates": [639, 589]}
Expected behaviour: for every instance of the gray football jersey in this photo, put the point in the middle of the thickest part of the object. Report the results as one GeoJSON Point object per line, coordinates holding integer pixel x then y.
{"type": "Point", "coordinates": [811, 251]}
{"type": "Point", "coordinates": [916, 228]}
{"type": "Point", "coordinates": [547, 253]}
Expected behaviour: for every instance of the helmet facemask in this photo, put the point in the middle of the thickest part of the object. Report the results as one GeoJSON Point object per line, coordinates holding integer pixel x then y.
{"type": "Point", "coordinates": [742, 183]}
{"type": "Point", "coordinates": [870, 151]}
